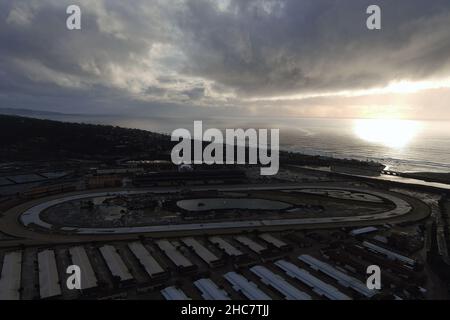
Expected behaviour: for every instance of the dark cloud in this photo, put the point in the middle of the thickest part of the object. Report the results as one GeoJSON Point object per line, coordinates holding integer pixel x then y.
{"type": "Point", "coordinates": [196, 93]}
{"type": "Point", "coordinates": [315, 45]}
{"type": "Point", "coordinates": [199, 53]}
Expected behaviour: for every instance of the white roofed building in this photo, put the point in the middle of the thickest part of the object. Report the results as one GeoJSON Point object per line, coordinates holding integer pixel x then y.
{"type": "Point", "coordinates": [342, 278]}
{"type": "Point", "coordinates": [249, 289]}
{"type": "Point", "coordinates": [80, 258]}
{"type": "Point", "coordinates": [278, 283]}
{"type": "Point", "coordinates": [173, 293]}
{"type": "Point", "coordinates": [177, 258]}
{"type": "Point", "coordinates": [226, 247]}
{"type": "Point", "coordinates": [115, 264]}
{"type": "Point", "coordinates": [206, 255]}
{"type": "Point", "coordinates": [147, 261]}
{"type": "Point", "coordinates": [49, 285]}
{"type": "Point", "coordinates": [318, 286]}
{"type": "Point", "coordinates": [10, 278]}
{"type": "Point", "coordinates": [210, 291]}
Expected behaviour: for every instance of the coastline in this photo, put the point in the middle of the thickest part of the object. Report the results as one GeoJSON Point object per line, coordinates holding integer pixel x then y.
{"type": "Point", "coordinates": [356, 166]}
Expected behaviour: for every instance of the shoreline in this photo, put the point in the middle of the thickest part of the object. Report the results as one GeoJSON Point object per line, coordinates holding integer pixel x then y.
{"type": "Point", "coordinates": [390, 179]}
{"type": "Point", "coordinates": [287, 157]}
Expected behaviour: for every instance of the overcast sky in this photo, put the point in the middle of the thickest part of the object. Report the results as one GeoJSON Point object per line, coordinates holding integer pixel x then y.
{"type": "Point", "coordinates": [227, 57]}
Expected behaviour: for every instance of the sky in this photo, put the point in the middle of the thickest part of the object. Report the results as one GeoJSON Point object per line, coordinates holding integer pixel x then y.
{"type": "Point", "coordinates": [225, 58]}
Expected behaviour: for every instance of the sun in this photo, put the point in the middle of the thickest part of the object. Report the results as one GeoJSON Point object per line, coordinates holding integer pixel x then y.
{"type": "Point", "coordinates": [395, 134]}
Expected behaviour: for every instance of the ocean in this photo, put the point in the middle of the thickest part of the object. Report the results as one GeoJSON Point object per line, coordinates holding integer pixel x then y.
{"type": "Point", "coordinates": [402, 145]}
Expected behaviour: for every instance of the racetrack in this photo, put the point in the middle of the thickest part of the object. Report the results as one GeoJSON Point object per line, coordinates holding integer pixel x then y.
{"type": "Point", "coordinates": [25, 221]}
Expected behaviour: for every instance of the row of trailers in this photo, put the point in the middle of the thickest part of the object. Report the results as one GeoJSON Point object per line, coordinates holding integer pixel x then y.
{"type": "Point", "coordinates": [49, 280]}
{"type": "Point", "coordinates": [250, 290]}
{"type": "Point", "coordinates": [50, 284]}
{"type": "Point", "coordinates": [227, 249]}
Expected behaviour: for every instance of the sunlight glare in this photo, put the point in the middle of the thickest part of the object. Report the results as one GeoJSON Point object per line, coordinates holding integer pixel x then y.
{"type": "Point", "coordinates": [395, 134]}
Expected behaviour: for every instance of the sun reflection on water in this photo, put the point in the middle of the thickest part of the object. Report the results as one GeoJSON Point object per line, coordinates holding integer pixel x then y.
{"type": "Point", "coordinates": [396, 134]}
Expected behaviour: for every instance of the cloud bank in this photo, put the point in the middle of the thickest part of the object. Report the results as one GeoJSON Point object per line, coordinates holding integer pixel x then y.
{"type": "Point", "coordinates": [262, 57]}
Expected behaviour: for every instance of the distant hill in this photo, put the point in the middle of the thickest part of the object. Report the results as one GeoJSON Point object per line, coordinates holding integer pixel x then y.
{"type": "Point", "coordinates": [28, 139]}
{"type": "Point", "coordinates": [34, 139]}
{"type": "Point", "coordinates": [27, 112]}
